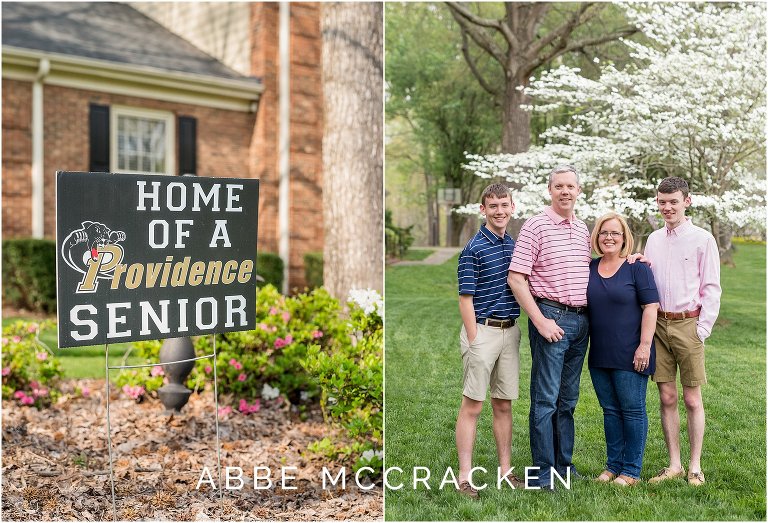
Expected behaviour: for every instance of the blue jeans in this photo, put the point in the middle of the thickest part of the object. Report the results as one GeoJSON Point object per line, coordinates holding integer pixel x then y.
{"type": "Point", "coordinates": [622, 397]}
{"type": "Point", "coordinates": [555, 376]}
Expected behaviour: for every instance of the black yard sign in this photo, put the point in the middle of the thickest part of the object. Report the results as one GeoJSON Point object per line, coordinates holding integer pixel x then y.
{"type": "Point", "coordinates": [149, 257]}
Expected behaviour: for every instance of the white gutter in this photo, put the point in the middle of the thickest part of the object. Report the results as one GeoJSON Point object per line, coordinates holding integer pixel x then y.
{"type": "Point", "coordinates": [38, 167]}
{"type": "Point", "coordinates": [239, 94]}
{"type": "Point", "coordinates": [284, 141]}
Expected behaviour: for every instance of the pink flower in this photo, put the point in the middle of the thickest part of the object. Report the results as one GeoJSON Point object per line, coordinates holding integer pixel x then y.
{"type": "Point", "coordinates": [134, 392]}
{"type": "Point", "coordinates": [208, 369]}
{"type": "Point", "coordinates": [243, 406]}
{"type": "Point", "coordinates": [242, 377]}
{"type": "Point", "coordinates": [232, 361]}
{"type": "Point", "coordinates": [5, 341]}
{"type": "Point", "coordinates": [225, 411]}
{"type": "Point", "coordinates": [263, 326]}
{"type": "Point", "coordinates": [288, 339]}
{"type": "Point", "coordinates": [32, 328]}
{"type": "Point", "coordinates": [255, 407]}
{"type": "Point", "coordinates": [286, 316]}
{"type": "Point", "coordinates": [34, 384]}
{"type": "Point", "coordinates": [273, 311]}
{"type": "Point", "coordinates": [280, 343]}
{"type": "Point", "coordinates": [27, 400]}
{"type": "Point", "coordinates": [39, 392]}
{"type": "Point", "coordinates": [6, 371]}
{"type": "Point", "coordinates": [317, 334]}
{"type": "Point", "coordinates": [19, 394]}
{"type": "Point", "coordinates": [85, 391]}
{"type": "Point", "coordinates": [238, 366]}
{"type": "Point", "coordinates": [41, 356]}
{"type": "Point", "coordinates": [157, 370]}
{"type": "Point", "coordinates": [16, 339]}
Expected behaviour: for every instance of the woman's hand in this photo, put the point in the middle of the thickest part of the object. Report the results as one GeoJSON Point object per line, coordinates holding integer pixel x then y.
{"type": "Point", "coordinates": [642, 358]}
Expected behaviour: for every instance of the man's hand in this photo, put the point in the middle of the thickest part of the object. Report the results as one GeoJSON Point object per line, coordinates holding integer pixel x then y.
{"type": "Point", "coordinates": [638, 256]}
{"type": "Point", "coordinates": [550, 331]}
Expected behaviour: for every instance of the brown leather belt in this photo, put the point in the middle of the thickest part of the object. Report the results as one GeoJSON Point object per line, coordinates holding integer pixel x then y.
{"type": "Point", "coordinates": [679, 315]}
{"type": "Point", "coordinates": [501, 324]}
{"type": "Point", "coordinates": [568, 308]}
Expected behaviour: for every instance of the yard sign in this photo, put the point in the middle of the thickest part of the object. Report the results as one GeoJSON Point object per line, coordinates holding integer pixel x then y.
{"type": "Point", "coordinates": [148, 257]}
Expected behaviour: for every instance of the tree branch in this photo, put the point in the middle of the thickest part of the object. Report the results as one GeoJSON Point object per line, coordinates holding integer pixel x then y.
{"type": "Point", "coordinates": [472, 66]}
{"type": "Point", "coordinates": [581, 44]}
{"type": "Point", "coordinates": [480, 36]}
{"type": "Point", "coordinates": [560, 33]}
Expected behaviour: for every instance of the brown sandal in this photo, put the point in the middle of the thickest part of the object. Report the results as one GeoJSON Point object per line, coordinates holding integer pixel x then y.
{"type": "Point", "coordinates": [625, 481]}
{"type": "Point", "coordinates": [605, 476]}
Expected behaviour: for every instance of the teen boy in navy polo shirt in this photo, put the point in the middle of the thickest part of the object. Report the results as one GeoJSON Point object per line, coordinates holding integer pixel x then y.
{"type": "Point", "coordinates": [490, 337]}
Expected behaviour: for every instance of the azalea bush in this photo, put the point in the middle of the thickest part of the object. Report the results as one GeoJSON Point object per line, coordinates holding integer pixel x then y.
{"type": "Point", "coordinates": [30, 373]}
{"type": "Point", "coordinates": [261, 364]}
{"type": "Point", "coordinates": [350, 373]}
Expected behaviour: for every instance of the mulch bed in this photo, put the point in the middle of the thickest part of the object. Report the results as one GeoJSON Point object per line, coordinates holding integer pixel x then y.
{"type": "Point", "coordinates": [55, 463]}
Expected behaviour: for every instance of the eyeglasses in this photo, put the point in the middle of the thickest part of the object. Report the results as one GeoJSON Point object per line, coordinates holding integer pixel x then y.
{"type": "Point", "coordinates": [612, 234]}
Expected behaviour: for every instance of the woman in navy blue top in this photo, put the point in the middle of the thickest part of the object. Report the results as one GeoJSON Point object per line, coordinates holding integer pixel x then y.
{"type": "Point", "coordinates": [623, 302]}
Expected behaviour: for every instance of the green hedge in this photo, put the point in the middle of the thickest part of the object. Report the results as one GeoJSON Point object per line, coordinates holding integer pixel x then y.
{"type": "Point", "coordinates": [313, 269]}
{"type": "Point", "coordinates": [270, 267]}
{"type": "Point", "coordinates": [29, 274]}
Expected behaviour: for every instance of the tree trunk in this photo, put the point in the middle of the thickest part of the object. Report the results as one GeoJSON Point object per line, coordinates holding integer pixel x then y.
{"type": "Point", "coordinates": [516, 123]}
{"type": "Point", "coordinates": [352, 147]}
{"type": "Point", "coordinates": [723, 234]}
{"type": "Point", "coordinates": [457, 225]}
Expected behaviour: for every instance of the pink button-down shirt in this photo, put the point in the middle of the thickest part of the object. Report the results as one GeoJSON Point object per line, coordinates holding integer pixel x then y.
{"type": "Point", "coordinates": [554, 252]}
{"type": "Point", "coordinates": [686, 266]}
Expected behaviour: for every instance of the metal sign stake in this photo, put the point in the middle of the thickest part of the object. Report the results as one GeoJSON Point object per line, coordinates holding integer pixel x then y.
{"type": "Point", "coordinates": [107, 368]}
{"type": "Point", "coordinates": [109, 433]}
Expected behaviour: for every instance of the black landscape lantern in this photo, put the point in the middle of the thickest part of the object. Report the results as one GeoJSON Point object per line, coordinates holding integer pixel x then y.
{"type": "Point", "coordinates": [175, 394]}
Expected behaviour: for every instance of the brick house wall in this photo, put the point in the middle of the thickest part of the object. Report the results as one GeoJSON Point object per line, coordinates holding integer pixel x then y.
{"type": "Point", "coordinates": [306, 159]}
{"type": "Point", "coordinates": [17, 158]}
{"type": "Point", "coordinates": [230, 143]}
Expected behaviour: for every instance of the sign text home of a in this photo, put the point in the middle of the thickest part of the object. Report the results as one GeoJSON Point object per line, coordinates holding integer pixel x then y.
{"type": "Point", "coordinates": [147, 257]}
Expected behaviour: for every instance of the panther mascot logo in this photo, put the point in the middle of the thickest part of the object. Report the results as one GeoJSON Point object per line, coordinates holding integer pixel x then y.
{"type": "Point", "coordinates": [94, 252]}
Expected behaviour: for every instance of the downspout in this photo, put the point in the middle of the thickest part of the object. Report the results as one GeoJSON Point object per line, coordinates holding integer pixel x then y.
{"type": "Point", "coordinates": [38, 172]}
{"type": "Point", "coordinates": [284, 141]}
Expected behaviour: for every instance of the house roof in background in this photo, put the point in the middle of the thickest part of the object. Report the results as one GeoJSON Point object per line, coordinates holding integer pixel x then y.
{"type": "Point", "coordinates": [108, 31]}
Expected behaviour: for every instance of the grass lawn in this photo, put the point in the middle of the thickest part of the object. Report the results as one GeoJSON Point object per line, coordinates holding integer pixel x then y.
{"type": "Point", "coordinates": [423, 394]}
{"type": "Point", "coordinates": [83, 362]}
{"type": "Point", "coordinates": [416, 254]}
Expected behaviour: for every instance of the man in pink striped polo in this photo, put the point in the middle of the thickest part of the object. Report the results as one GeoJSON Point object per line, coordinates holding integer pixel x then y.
{"type": "Point", "coordinates": [548, 275]}
{"type": "Point", "coordinates": [686, 266]}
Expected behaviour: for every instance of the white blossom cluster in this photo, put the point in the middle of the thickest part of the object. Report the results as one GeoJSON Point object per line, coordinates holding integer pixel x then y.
{"type": "Point", "coordinates": [367, 299]}
{"type": "Point", "coordinates": [691, 104]}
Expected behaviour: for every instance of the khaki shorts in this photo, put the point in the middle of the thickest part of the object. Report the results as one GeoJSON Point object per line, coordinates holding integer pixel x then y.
{"type": "Point", "coordinates": [677, 344]}
{"type": "Point", "coordinates": [493, 358]}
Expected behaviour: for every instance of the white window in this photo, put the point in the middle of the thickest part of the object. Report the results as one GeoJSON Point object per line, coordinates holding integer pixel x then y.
{"type": "Point", "coordinates": [142, 141]}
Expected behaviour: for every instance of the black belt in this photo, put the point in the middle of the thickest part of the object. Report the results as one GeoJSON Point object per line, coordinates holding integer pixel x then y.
{"type": "Point", "coordinates": [561, 306]}
{"type": "Point", "coordinates": [501, 324]}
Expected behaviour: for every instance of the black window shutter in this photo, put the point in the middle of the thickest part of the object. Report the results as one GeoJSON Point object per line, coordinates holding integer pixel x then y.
{"type": "Point", "coordinates": [187, 145]}
{"type": "Point", "coordinates": [98, 131]}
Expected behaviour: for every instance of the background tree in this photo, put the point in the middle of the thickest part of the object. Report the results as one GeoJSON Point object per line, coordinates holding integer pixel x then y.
{"type": "Point", "coordinates": [352, 146]}
{"type": "Point", "coordinates": [520, 42]}
{"type": "Point", "coordinates": [435, 110]}
{"type": "Point", "coordinates": [692, 105]}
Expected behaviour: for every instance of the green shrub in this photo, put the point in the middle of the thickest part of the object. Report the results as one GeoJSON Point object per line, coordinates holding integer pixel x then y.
{"type": "Point", "coordinates": [247, 361]}
{"type": "Point", "coordinates": [29, 274]}
{"type": "Point", "coordinates": [350, 373]}
{"type": "Point", "coordinates": [313, 269]}
{"type": "Point", "coordinates": [30, 372]}
{"type": "Point", "coordinates": [270, 267]}
{"type": "Point", "coordinates": [397, 240]}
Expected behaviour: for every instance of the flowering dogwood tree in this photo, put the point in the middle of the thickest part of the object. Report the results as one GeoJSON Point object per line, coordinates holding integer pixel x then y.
{"type": "Point", "coordinates": [692, 104]}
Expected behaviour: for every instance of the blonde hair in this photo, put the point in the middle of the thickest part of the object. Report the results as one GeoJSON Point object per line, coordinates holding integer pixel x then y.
{"type": "Point", "coordinates": [629, 241]}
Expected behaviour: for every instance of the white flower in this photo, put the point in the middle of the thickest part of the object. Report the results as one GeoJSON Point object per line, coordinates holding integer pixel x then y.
{"type": "Point", "coordinates": [368, 455]}
{"type": "Point", "coordinates": [269, 393]}
{"type": "Point", "coordinates": [367, 299]}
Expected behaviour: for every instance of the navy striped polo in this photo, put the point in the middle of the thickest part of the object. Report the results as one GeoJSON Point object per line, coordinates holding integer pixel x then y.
{"type": "Point", "coordinates": [482, 272]}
